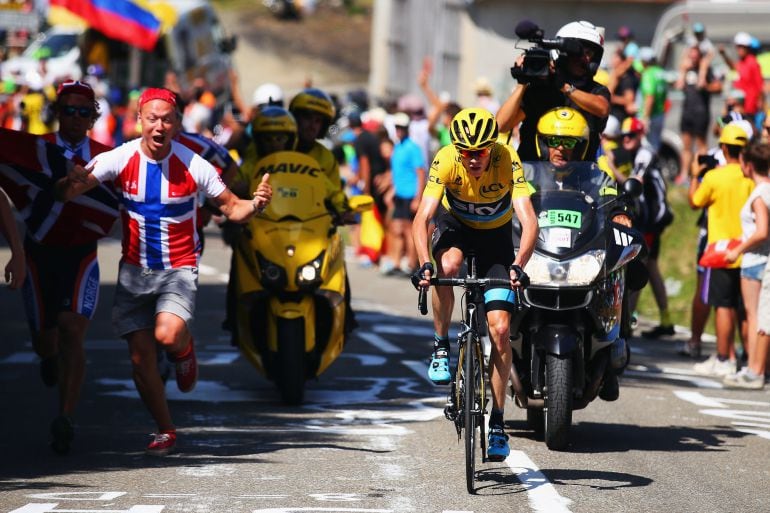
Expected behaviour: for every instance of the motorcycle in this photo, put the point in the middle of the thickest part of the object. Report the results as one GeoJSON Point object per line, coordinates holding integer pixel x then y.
{"type": "Point", "coordinates": [291, 318]}
{"type": "Point", "coordinates": [567, 337]}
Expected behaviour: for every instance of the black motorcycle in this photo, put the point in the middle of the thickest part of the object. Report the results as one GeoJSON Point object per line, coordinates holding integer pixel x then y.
{"type": "Point", "coordinates": [567, 339]}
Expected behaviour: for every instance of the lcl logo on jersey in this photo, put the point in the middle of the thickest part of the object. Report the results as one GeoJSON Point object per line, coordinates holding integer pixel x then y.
{"type": "Point", "coordinates": [491, 190]}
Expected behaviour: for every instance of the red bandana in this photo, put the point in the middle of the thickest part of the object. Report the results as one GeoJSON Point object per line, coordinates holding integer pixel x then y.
{"type": "Point", "coordinates": [157, 93]}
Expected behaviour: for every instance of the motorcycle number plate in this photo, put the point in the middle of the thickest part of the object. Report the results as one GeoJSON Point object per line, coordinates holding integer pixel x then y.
{"type": "Point", "coordinates": [563, 218]}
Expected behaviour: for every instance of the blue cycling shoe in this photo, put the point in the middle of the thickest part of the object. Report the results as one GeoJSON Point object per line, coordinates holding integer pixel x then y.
{"type": "Point", "coordinates": [438, 371]}
{"type": "Point", "coordinates": [497, 445]}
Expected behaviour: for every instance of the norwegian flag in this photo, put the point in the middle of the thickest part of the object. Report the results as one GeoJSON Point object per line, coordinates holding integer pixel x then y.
{"type": "Point", "coordinates": [29, 167]}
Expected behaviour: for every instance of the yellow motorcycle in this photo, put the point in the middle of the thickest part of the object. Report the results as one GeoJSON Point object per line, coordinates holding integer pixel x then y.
{"type": "Point", "coordinates": [291, 283]}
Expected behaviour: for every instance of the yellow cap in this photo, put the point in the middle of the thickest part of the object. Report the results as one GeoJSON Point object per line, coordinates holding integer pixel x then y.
{"type": "Point", "coordinates": [734, 135]}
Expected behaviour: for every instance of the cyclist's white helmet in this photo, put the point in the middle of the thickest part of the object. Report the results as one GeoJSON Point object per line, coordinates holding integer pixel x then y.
{"type": "Point", "coordinates": [589, 36]}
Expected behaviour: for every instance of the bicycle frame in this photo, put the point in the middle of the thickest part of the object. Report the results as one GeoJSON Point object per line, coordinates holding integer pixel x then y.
{"type": "Point", "coordinates": [468, 388]}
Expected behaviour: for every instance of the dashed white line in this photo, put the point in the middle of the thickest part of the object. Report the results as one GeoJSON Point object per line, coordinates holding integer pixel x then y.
{"type": "Point", "coordinates": [543, 496]}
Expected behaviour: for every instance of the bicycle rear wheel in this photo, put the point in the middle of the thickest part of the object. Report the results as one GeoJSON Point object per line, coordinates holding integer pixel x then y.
{"type": "Point", "coordinates": [471, 408]}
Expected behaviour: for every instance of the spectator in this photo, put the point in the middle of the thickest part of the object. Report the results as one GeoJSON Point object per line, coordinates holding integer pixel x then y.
{"type": "Point", "coordinates": [157, 281]}
{"type": "Point", "coordinates": [627, 44]}
{"type": "Point", "coordinates": [408, 178]}
{"type": "Point", "coordinates": [707, 53]}
{"type": "Point", "coordinates": [653, 216]}
{"type": "Point", "coordinates": [484, 97]}
{"type": "Point", "coordinates": [753, 252]}
{"type": "Point", "coordinates": [696, 115]}
{"type": "Point", "coordinates": [749, 74]}
{"type": "Point", "coordinates": [63, 281]}
{"type": "Point", "coordinates": [623, 84]}
{"type": "Point", "coordinates": [372, 166]}
{"type": "Point", "coordinates": [654, 90]}
{"type": "Point", "coordinates": [724, 191]}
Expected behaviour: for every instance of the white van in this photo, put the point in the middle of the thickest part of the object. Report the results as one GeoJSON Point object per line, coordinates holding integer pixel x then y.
{"type": "Point", "coordinates": [193, 45]}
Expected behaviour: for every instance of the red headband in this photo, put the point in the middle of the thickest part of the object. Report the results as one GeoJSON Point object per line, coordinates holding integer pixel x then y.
{"type": "Point", "coordinates": [157, 93]}
{"type": "Point", "coordinates": [75, 87]}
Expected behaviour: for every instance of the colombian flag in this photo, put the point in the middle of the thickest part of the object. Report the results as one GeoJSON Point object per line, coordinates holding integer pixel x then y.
{"type": "Point", "coordinates": [124, 20]}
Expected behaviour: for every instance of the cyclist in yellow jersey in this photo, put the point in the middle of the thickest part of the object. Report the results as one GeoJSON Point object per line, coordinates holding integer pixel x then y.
{"type": "Point", "coordinates": [473, 184]}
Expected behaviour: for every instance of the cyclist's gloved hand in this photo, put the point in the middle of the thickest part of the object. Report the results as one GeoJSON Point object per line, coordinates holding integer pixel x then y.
{"type": "Point", "coordinates": [521, 276]}
{"type": "Point", "coordinates": [419, 275]}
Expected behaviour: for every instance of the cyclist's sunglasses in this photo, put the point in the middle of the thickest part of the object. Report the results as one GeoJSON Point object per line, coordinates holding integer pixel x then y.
{"type": "Point", "coordinates": [474, 154]}
{"type": "Point", "coordinates": [554, 141]}
{"type": "Point", "coordinates": [83, 112]}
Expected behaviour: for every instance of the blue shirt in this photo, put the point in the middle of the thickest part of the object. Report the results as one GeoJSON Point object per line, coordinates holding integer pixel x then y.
{"type": "Point", "coordinates": [406, 161]}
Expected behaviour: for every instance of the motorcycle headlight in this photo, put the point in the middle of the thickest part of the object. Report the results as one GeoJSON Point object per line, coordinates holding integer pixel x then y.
{"type": "Point", "coordinates": [581, 270]}
{"type": "Point", "coordinates": [272, 275]}
{"type": "Point", "coordinates": [309, 274]}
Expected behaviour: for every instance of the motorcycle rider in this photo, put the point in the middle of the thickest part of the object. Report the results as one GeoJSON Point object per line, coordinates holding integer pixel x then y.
{"type": "Point", "coordinates": [570, 83]}
{"type": "Point", "coordinates": [562, 138]}
{"type": "Point", "coordinates": [470, 190]}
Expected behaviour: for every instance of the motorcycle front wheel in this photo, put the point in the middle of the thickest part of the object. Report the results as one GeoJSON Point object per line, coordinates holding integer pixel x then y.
{"type": "Point", "coordinates": [290, 377]}
{"type": "Point", "coordinates": [558, 401]}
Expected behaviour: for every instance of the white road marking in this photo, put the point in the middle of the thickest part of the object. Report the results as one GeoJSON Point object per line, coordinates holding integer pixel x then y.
{"type": "Point", "coordinates": [543, 497]}
{"type": "Point", "coordinates": [51, 508]}
{"type": "Point", "coordinates": [671, 373]}
{"type": "Point", "coordinates": [400, 329]}
{"type": "Point", "coordinates": [333, 510]}
{"type": "Point", "coordinates": [751, 421]}
{"type": "Point", "coordinates": [379, 343]}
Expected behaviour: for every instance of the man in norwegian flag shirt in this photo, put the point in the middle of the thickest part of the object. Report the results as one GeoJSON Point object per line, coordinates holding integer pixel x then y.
{"type": "Point", "coordinates": [159, 180]}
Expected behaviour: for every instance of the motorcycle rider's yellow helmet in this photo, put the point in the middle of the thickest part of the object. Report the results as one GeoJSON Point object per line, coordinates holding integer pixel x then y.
{"type": "Point", "coordinates": [473, 129]}
{"type": "Point", "coordinates": [562, 122]}
{"type": "Point", "coordinates": [273, 120]}
{"type": "Point", "coordinates": [314, 100]}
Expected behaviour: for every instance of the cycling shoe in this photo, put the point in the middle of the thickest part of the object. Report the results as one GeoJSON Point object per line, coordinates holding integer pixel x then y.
{"type": "Point", "coordinates": [438, 371]}
{"type": "Point", "coordinates": [497, 445]}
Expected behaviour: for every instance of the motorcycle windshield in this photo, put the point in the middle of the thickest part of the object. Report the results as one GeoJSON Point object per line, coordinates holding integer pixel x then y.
{"type": "Point", "coordinates": [300, 186]}
{"type": "Point", "coordinates": [568, 204]}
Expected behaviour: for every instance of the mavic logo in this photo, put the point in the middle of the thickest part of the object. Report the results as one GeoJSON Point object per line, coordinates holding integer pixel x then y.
{"type": "Point", "coordinates": [621, 238]}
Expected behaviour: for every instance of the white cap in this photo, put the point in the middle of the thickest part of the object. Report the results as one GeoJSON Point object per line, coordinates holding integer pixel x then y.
{"type": "Point", "coordinates": [646, 54]}
{"type": "Point", "coordinates": [742, 39]}
{"type": "Point", "coordinates": [267, 94]}
{"type": "Point", "coordinates": [401, 119]}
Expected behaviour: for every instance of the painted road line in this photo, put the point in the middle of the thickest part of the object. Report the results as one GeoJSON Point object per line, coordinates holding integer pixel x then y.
{"type": "Point", "coordinates": [673, 374]}
{"type": "Point", "coordinates": [379, 343]}
{"type": "Point", "coordinates": [207, 270]}
{"type": "Point", "coordinates": [400, 329]}
{"type": "Point", "coordinates": [419, 368]}
{"type": "Point", "coordinates": [543, 496]}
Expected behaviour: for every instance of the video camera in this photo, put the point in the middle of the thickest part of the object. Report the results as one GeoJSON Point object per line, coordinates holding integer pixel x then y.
{"type": "Point", "coordinates": [537, 59]}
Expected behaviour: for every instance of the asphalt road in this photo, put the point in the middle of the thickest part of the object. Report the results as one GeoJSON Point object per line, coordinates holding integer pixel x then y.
{"type": "Point", "coordinates": [371, 436]}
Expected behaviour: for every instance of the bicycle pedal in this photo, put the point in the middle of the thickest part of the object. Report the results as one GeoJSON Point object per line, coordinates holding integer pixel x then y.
{"type": "Point", "coordinates": [450, 412]}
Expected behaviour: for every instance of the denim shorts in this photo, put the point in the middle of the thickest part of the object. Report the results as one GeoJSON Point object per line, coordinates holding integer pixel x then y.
{"type": "Point", "coordinates": [142, 293]}
{"type": "Point", "coordinates": [755, 272]}
{"type": "Point", "coordinates": [763, 310]}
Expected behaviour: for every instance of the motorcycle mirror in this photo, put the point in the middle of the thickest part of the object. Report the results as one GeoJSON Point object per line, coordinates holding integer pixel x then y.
{"type": "Point", "coordinates": [361, 203]}
{"type": "Point", "coordinates": [632, 187]}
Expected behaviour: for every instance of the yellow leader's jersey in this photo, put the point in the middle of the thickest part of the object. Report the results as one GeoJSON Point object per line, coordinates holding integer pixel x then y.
{"type": "Point", "coordinates": [484, 202]}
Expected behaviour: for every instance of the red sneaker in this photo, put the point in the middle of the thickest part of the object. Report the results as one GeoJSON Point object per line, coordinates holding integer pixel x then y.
{"type": "Point", "coordinates": [163, 443]}
{"type": "Point", "coordinates": [186, 368]}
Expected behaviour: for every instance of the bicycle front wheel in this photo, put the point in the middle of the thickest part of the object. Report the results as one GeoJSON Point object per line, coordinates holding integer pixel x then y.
{"type": "Point", "coordinates": [471, 408]}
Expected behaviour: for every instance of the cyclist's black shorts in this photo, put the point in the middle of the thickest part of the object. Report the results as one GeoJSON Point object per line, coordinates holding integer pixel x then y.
{"type": "Point", "coordinates": [493, 248]}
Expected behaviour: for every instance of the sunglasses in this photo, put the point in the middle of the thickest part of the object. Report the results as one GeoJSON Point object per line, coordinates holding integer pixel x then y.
{"type": "Point", "coordinates": [474, 154]}
{"type": "Point", "coordinates": [554, 141]}
{"type": "Point", "coordinates": [630, 135]}
{"type": "Point", "coordinates": [83, 112]}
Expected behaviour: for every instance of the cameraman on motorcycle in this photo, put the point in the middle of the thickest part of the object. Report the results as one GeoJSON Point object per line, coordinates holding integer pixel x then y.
{"type": "Point", "coordinates": [472, 185]}
{"type": "Point", "coordinates": [562, 139]}
{"type": "Point", "coordinates": [570, 82]}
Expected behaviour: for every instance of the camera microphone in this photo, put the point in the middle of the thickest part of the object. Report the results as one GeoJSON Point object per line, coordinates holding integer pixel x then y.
{"type": "Point", "coordinates": [528, 29]}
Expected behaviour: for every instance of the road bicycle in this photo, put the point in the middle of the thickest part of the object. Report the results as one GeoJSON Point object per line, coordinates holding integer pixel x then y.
{"type": "Point", "coordinates": [467, 401]}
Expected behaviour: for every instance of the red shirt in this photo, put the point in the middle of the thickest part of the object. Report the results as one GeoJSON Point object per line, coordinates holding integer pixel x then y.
{"type": "Point", "coordinates": [750, 82]}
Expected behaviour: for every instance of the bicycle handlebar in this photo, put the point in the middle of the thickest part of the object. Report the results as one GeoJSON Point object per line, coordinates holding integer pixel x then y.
{"type": "Point", "coordinates": [422, 298]}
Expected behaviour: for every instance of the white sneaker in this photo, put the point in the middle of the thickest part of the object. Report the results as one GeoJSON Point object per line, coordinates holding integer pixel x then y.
{"type": "Point", "coordinates": [714, 367]}
{"type": "Point", "coordinates": [744, 379]}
